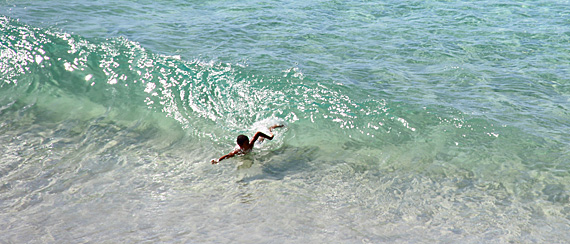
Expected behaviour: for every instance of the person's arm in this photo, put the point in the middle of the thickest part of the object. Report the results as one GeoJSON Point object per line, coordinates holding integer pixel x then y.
{"type": "Point", "coordinates": [260, 134]}
{"type": "Point", "coordinates": [275, 126]}
{"type": "Point", "coordinates": [263, 135]}
{"type": "Point", "coordinates": [229, 155]}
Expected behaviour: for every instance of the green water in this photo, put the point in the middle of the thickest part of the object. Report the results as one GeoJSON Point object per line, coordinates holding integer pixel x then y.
{"type": "Point", "coordinates": [422, 121]}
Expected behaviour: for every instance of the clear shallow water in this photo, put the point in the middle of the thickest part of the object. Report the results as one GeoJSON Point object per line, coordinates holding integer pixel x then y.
{"type": "Point", "coordinates": [406, 122]}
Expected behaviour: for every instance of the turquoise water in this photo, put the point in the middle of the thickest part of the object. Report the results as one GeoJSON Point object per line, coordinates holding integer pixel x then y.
{"type": "Point", "coordinates": [419, 121]}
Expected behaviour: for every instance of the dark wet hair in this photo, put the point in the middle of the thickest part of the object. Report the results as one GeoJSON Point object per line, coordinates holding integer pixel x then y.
{"type": "Point", "coordinates": [241, 139]}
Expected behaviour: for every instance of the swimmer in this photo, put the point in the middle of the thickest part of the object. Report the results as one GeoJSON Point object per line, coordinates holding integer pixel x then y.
{"type": "Point", "coordinates": [245, 145]}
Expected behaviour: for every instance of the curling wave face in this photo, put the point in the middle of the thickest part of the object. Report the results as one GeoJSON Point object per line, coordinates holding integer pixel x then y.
{"type": "Point", "coordinates": [106, 127]}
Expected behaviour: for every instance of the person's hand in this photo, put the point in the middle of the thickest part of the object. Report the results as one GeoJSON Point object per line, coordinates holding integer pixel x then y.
{"type": "Point", "coordinates": [214, 161]}
{"type": "Point", "coordinates": [275, 126]}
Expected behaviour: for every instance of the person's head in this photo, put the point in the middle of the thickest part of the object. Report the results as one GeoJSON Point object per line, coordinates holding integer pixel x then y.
{"type": "Point", "coordinates": [242, 140]}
